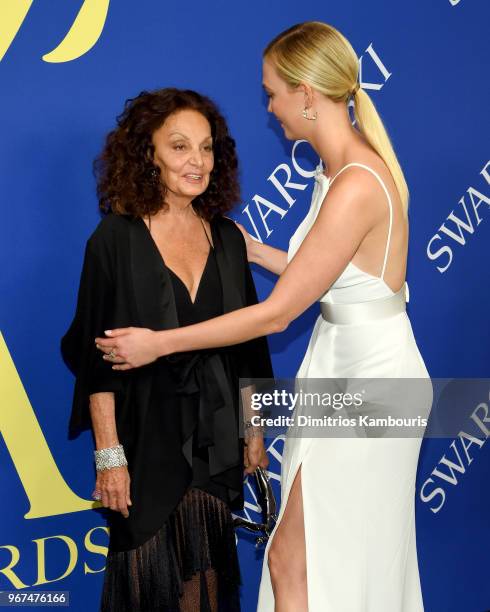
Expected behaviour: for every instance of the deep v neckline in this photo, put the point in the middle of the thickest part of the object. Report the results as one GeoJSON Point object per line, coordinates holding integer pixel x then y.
{"type": "Point", "coordinates": [211, 249]}
{"type": "Point", "coordinates": [193, 301]}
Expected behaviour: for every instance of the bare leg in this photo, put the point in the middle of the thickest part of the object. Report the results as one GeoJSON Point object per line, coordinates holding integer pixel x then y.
{"type": "Point", "coordinates": [287, 555]}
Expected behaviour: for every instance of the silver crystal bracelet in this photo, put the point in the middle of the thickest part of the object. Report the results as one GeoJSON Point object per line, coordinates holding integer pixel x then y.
{"type": "Point", "coordinates": [107, 458]}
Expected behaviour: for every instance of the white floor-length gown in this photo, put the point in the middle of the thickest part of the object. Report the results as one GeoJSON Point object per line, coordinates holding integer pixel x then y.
{"type": "Point", "coordinates": [358, 494]}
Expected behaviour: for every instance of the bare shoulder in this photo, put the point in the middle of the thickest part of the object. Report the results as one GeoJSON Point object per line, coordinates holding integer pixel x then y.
{"type": "Point", "coordinates": [350, 197]}
{"type": "Point", "coordinates": [363, 189]}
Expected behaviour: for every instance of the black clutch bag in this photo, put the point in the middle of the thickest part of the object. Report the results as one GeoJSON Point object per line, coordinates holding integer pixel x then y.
{"type": "Point", "coordinates": [268, 504]}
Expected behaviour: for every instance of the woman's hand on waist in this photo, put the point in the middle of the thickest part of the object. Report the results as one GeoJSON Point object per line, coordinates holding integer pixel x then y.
{"type": "Point", "coordinates": [128, 347]}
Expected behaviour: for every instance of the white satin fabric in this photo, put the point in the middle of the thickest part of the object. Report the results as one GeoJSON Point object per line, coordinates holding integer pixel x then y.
{"type": "Point", "coordinates": [358, 493]}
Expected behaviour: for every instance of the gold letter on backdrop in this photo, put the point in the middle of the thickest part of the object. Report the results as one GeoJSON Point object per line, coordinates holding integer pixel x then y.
{"type": "Point", "coordinates": [12, 15]}
{"type": "Point", "coordinates": [83, 34]}
{"type": "Point", "coordinates": [8, 572]}
{"type": "Point", "coordinates": [41, 558]}
{"type": "Point", "coordinates": [95, 548]}
{"type": "Point", "coordinates": [44, 486]}
{"type": "Point", "coordinates": [81, 37]}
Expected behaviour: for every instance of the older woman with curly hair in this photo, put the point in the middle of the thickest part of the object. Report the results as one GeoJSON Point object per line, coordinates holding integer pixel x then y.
{"type": "Point", "coordinates": [169, 457]}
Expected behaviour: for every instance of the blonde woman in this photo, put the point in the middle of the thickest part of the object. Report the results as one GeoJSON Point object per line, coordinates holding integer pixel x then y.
{"type": "Point", "coordinates": [345, 538]}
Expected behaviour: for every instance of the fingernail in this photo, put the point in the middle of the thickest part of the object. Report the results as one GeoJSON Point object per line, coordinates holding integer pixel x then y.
{"type": "Point", "coordinates": [108, 332]}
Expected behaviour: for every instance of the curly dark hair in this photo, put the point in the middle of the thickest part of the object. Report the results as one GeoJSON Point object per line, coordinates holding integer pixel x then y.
{"type": "Point", "coordinates": [128, 182]}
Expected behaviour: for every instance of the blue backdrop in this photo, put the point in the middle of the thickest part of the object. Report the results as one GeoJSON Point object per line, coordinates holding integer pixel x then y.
{"type": "Point", "coordinates": [66, 68]}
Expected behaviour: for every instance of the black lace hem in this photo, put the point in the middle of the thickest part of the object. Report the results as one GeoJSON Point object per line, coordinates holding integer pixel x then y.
{"type": "Point", "coordinates": [189, 565]}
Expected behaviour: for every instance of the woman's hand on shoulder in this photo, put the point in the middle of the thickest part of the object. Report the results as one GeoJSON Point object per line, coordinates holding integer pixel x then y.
{"type": "Point", "coordinates": [128, 347]}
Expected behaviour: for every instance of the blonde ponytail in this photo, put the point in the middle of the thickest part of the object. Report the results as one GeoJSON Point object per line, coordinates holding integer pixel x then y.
{"type": "Point", "coordinates": [371, 126]}
{"type": "Point", "coordinates": [316, 53]}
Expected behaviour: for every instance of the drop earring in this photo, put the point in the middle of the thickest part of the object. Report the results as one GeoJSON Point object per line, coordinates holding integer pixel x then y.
{"type": "Point", "coordinates": [306, 116]}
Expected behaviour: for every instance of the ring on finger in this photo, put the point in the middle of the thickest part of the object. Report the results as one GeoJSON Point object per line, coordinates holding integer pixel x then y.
{"type": "Point", "coordinates": [112, 354]}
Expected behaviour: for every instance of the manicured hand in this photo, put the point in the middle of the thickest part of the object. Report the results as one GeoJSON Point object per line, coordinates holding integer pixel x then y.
{"type": "Point", "coordinates": [128, 347]}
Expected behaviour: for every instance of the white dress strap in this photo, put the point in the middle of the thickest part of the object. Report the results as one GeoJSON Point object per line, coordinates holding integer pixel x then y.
{"type": "Point", "coordinates": [389, 202]}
